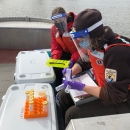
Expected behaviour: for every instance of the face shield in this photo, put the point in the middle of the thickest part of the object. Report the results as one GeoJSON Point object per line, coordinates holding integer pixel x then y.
{"type": "Point", "coordinates": [82, 42]}
{"type": "Point", "coordinates": [60, 22]}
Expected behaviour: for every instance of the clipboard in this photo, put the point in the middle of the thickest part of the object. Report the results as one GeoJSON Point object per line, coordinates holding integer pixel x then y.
{"type": "Point", "coordinates": [81, 97]}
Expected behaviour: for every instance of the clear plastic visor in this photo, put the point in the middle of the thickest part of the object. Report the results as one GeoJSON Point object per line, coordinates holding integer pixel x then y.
{"type": "Point", "coordinates": [61, 23]}
{"type": "Point", "coordinates": [83, 44]}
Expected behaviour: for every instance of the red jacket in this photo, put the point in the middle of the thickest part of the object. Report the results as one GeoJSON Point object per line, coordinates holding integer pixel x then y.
{"type": "Point", "coordinates": [57, 49]}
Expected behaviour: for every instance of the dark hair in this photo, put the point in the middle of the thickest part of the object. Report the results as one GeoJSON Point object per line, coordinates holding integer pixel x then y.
{"type": "Point", "coordinates": [58, 10]}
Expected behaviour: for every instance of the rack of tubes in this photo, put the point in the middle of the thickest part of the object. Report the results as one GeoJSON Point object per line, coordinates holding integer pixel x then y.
{"type": "Point", "coordinates": [35, 107]}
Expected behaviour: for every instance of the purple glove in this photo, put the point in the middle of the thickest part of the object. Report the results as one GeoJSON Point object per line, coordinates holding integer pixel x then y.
{"type": "Point", "coordinates": [74, 85]}
{"type": "Point", "coordinates": [71, 64]}
{"type": "Point", "coordinates": [64, 72]}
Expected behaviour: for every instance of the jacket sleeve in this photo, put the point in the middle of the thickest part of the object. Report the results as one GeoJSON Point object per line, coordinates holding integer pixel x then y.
{"type": "Point", "coordinates": [115, 92]}
{"type": "Point", "coordinates": [56, 49]}
{"type": "Point", "coordinates": [75, 56]}
{"type": "Point", "coordinates": [117, 58]}
{"type": "Point", "coordinates": [84, 65]}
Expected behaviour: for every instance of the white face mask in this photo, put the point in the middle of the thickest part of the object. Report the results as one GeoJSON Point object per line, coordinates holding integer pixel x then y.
{"type": "Point", "coordinates": [84, 44]}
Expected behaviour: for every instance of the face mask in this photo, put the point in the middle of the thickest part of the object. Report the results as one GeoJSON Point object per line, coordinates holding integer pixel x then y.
{"type": "Point", "coordinates": [61, 27]}
{"type": "Point", "coordinates": [84, 44]}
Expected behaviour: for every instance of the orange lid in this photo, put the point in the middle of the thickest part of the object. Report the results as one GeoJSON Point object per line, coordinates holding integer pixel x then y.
{"type": "Point", "coordinates": [30, 102]}
{"type": "Point", "coordinates": [32, 90]}
{"type": "Point", "coordinates": [45, 102]}
{"type": "Point", "coordinates": [27, 92]}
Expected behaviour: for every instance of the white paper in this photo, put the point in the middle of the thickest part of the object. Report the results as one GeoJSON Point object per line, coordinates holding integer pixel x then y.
{"type": "Point", "coordinates": [85, 79]}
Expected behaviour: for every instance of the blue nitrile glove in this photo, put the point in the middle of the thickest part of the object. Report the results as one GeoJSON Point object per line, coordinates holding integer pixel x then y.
{"type": "Point", "coordinates": [74, 85]}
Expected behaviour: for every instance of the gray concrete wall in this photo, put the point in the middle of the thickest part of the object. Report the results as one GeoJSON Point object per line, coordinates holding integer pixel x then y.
{"type": "Point", "coordinates": [25, 38]}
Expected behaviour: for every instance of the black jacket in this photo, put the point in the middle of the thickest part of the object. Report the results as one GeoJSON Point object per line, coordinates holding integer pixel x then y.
{"type": "Point", "coordinates": [118, 59]}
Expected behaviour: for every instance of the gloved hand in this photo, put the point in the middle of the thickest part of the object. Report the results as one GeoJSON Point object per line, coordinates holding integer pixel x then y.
{"type": "Point", "coordinates": [74, 85]}
{"type": "Point", "coordinates": [64, 71]}
{"type": "Point", "coordinates": [70, 66]}
{"type": "Point", "coordinates": [67, 75]}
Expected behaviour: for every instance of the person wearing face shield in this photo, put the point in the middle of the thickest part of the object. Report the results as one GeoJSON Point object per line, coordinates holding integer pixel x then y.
{"type": "Point", "coordinates": [109, 55]}
{"type": "Point", "coordinates": [62, 46]}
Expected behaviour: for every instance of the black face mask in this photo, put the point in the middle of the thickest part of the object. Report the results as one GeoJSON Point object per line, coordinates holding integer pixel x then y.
{"type": "Point", "coordinates": [61, 27]}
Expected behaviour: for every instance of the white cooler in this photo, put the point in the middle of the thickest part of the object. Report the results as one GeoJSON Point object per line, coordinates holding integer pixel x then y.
{"type": "Point", "coordinates": [31, 68]}
{"type": "Point", "coordinates": [12, 109]}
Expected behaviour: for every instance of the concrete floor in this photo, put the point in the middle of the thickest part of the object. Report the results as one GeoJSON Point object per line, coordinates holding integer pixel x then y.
{"type": "Point", "coordinates": [6, 77]}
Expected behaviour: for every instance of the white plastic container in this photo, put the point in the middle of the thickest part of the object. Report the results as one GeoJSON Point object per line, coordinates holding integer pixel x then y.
{"type": "Point", "coordinates": [12, 109]}
{"type": "Point", "coordinates": [31, 68]}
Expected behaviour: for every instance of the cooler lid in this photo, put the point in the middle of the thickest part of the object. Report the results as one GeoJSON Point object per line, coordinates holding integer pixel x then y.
{"type": "Point", "coordinates": [32, 62]}
{"type": "Point", "coordinates": [12, 111]}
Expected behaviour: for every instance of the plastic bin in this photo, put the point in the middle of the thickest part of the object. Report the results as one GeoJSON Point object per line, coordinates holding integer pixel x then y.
{"type": "Point", "coordinates": [12, 109]}
{"type": "Point", "coordinates": [31, 68]}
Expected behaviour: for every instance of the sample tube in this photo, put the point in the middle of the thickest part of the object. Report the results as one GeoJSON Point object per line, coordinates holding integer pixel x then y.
{"type": "Point", "coordinates": [31, 97]}
{"type": "Point", "coordinates": [30, 105]}
{"type": "Point", "coordinates": [31, 93]}
{"type": "Point", "coordinates": [44, 96]}
{"type": "Point", "coordinates": [58, 88]}
{"type": "Point", "coordinates": [32, 90]}
{"type": "Point", "coordinates": [27, 95]}
{"type": "Point", "coordinates": [45, 107]}
{"type": "Point", "coordinates": [68, 77]}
